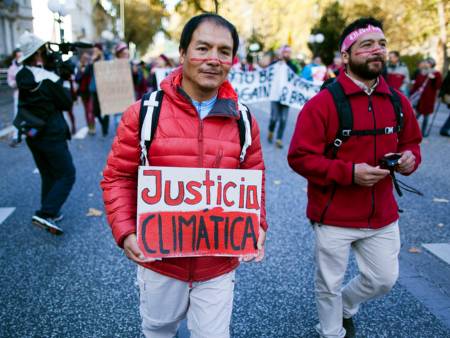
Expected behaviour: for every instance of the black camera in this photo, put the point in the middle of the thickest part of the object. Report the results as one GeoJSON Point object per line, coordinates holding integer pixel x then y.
{"type": "Point", "coordinates": [53, 61]}
{"type": "Point", "coordinates": [390, 161]}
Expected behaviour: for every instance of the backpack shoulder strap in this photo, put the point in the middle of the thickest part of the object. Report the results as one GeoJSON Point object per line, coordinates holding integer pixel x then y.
{"type": "Point", "coordinates": [396, 102]}
{"type": "Point", "coordinates": [245, 129]}
{"type": "Point", "coordinates": [148, 121]}
{"type": "Point", "coordinates": [345, 116]}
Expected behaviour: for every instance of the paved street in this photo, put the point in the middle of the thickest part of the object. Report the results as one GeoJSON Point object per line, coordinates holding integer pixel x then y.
{"type": "Point", "coordinates": [81, 284]}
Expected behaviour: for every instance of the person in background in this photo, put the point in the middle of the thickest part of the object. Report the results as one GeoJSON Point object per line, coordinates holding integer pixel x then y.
{"type": "Point", "coordinates": [334, 68]}
{"type": "Point", "coordinates": [444, 94]}
{"type": "Point", "coordinates": [278, 111]}
{"type": "Point", "coordinates": [397, 73]}
{"type": "Point", "coordinates": [162, 61]}
{"type": "Point", "coordinates": [12, 71]}
{"type": "Point", "coordinates": [428, 82]}
{"type": "Point", "coordinates": [140, 78]}
{"type": "Point", "coordinates": [121, 51]}
{"type": "Point", "coordinates": [83, 78]}
{"type": "Point", "coordinates": [97, 55]}
{"type": "Point", "coordinates": [315, 71]}
{"type": "Point", "coordinates": [421, 65]}
{"type": "Point", "coordinates": [42, 95]}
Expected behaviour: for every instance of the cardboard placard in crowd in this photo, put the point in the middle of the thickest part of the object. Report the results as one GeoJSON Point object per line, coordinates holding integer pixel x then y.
{"type": "Point", "coordinates": [114, 86]}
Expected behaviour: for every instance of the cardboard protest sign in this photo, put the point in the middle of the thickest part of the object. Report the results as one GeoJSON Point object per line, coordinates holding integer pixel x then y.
{"type": "Point", "coordinates": [114, 86]}
{"type": "Point", "coordinates": [185, 212]}
{"type": "Point", "coordinates": [161, 74]}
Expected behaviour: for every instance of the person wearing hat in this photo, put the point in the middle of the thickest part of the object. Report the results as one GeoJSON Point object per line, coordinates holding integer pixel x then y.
{"type": "Point", "coordinates": [42, 96]}
{"type": "Point", "coordinates": [351, 203]}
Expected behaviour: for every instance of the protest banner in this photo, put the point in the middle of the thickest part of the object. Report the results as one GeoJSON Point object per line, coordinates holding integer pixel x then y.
{"type": "Point", "coordinates": [114, 86]}
{"type": "Point", "coordinates": [274, 83]}
{"type": "Point", "coordinates": [187, 212]}
{"type": "Point", "coordinates": [293, 90]}
{"type": "Point", "coordinates": [254, 86]}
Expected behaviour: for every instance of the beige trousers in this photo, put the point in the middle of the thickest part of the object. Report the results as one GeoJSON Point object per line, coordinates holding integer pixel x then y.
{"type": "Point", "coordinates": [165, 301]}
{"type": "Point", "coordinates": [376, 253]}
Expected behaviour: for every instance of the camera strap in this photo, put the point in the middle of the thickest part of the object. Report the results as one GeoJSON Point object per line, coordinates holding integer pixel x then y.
{"type": "Point", "coordinates": [399, 185]}
{"type": "Point", "coordinates": [345, 115]}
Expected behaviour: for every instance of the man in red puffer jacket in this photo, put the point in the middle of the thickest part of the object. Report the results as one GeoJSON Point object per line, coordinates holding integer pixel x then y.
{"type": "Point", "coordinates": [197, 128]}
{"type": "Point", "coordinates": [350, 198]}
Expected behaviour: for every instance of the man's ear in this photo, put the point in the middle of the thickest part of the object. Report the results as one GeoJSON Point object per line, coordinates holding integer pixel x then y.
{"type": "Point", "coordinates": [345, 57]}
{"type": "Point", "coordinates": [182, 55]}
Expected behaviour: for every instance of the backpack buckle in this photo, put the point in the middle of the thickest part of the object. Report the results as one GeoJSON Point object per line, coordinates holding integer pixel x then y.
{"type": "Point", "coordinates": [337, 143]}
{"type": "Point", "coordinates": [389, 130]}
{"type": "Point", "coordinates": [346, 132]}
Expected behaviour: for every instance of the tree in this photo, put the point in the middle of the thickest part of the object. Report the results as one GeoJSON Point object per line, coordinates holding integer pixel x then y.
{"type": "Point", "coordinates": [331, 24]}
{"type": "Point", "coordinates": [414, 26]}
{"type": "Point", "coordinates": [143, 19]}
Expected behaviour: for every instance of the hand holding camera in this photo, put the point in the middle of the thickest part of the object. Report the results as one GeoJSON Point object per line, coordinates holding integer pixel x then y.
{"type": "Point", "coordinates": [403, 163]}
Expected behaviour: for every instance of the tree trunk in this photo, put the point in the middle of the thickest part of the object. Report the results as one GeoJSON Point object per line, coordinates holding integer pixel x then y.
{"type": "Point", "coordinates": [443, 36]}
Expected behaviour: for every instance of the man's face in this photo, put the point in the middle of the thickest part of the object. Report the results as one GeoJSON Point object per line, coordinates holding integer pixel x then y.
{"type": "Point", "coordinates": [393, 58]}
{"type": "Point", "coordinates": [124, 54]}
{"type": "Point", "coordinates": [286, 54]}
{"type": "Point", "coordinates": [18, 55]}
{"type": "Point", "coordinates": [208, 58]}
{"type": "Point", "coordinates": [97, 54]}
{"type": "Point", "coordinates": [367, 56]}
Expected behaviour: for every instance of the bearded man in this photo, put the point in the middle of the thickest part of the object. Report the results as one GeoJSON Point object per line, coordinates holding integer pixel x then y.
{"type": "Point", "coordinates": [350, 197]}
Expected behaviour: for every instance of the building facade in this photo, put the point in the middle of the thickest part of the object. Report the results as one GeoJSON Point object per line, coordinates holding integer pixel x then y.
{"type": "Point", "coordinates": [15, 18]}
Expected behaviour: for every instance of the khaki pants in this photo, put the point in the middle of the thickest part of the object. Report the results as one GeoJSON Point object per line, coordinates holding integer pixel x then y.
{"type": "Point", "coordinates": [165, 301]}
{"type": "Point", "coordinates": [376, 253]}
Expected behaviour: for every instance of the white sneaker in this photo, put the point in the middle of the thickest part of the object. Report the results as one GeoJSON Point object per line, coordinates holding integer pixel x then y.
{"type": "Point", "coordinates": [47, 224]}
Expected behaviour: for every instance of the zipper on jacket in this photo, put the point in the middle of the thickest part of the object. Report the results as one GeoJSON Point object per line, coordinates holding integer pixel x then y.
{"type": "Point", "coordinates": [200, 142]}
{"type": "Point", "coordinates": [333, 191]}
{"type": "Point", "coordinates": [374, 156]}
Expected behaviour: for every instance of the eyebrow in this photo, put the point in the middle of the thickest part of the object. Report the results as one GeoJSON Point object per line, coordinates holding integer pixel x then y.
{"type": "Point", "coordinates": [373, 40]}
{"type": "Point", "coordinates": [201, 42]}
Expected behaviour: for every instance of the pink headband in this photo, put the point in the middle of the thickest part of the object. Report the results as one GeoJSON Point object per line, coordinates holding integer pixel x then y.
{"type": "Point", "coordinates": [351, 38]}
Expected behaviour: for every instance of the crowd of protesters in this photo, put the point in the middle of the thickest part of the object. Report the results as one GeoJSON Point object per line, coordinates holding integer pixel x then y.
{"type": "Point", "coordinates": [423, 86]}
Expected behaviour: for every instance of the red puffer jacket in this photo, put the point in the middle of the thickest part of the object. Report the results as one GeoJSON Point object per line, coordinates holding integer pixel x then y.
{"type": "Point", "coordinates": [333, 197]}
{"type": "Point", "coordinates": [181, 139]}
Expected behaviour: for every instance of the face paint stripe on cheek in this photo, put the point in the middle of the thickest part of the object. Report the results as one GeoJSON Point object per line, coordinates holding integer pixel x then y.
{"type": "Point", "coordinates": [229, 63]}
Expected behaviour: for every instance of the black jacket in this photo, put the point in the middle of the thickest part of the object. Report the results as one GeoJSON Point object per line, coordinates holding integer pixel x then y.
{"type": "Point", "coordinates": [42, 94]}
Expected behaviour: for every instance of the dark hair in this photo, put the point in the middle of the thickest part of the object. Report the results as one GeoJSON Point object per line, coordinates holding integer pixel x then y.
{"type": "Point", "coordinates": [357, 24]}
{"type": "Point", "coordinates": [193, 23]}
{"type": "Point", "coordinates": [396, 53]}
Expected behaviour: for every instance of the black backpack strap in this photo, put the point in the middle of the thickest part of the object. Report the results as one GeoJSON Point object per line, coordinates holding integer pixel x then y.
{"type": "Point", "coordinates": [245, 129]}
{"type": "Point", "coordinates": [396, 102]}
{"type": "Point", "coordinates": [148, 121]}
{"type": "Point", "coordinates": [345, 116]}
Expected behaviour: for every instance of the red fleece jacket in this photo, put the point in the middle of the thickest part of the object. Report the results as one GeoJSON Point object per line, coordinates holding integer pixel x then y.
{"type": "Point", "coordinates": [333, 197]}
